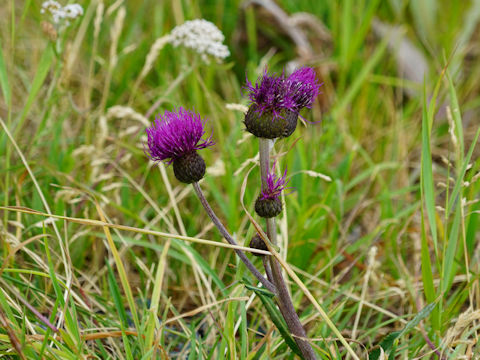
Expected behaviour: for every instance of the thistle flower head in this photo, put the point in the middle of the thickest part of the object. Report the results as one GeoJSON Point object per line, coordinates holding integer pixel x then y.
{"type": "Point", "coordinates": [270, 94]}
{"type": "Point", "coordinates": [176, 134]}
{"type": "Point", "coordinates": [276, 93]}
{"type": "Point", "coordinates": [303, 87]}
{"type": "Point", "coordinates": [274, 185]}
{"type": "Point", "coordinates": [276, 100]}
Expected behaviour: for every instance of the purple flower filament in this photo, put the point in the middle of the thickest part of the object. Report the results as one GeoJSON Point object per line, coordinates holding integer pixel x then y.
{"type": "Point", "coordinates": [176, 134]}
{"type": "Point", "coordinates": [270, 94]}
{"type": "Point", "coordinates": [280, 93]}
{"type": "Point", "coordinates": [274, 185]}
{"type": "Point", "coordinates": [303, 87]}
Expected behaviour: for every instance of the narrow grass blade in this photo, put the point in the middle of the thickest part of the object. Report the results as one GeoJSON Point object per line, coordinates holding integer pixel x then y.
{"type": "Point", "coordinates": [123, 277]}
{"type": "Point", "coordinates": [360, 79]}
{"type": "Point", "coordinates": [134, 229]}
{"type": "Point", "coordinates": [448, 261]}
{"type": "Point", "coordinates": [70, 334]}
{"type": "Point", "coordinates": [243, 331]}
{"type": "Point", "coordinates": [229, 329]}
{"type": "Point", "coordinates": [117, 300]}
{"type": "Point", "coordinates": [155, 301]}
{"type": "Point", "coordinates": [40, 75]}
{"type": "Point", "coordinates": [428, 188]}
{"type": "Point", "coordinates": [457, 117]}
{"type": "Point", "coordinates": [4, 84]}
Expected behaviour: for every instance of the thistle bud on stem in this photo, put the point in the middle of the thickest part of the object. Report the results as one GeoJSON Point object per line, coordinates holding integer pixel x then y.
{"type": "Point", "coordinates": [268, 203]}
{"type": "Point", "coordinates": [257, 243]}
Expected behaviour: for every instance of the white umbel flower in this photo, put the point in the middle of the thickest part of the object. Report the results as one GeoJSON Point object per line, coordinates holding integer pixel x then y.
{"type": "Point", "coordinates": [51, 6]}
{"type": "Point", "coordinates": [73, 11]}
{"type": "Point", "coordinates": [201, 36]}
{"type": "Point", "coordinates": [61, 14]}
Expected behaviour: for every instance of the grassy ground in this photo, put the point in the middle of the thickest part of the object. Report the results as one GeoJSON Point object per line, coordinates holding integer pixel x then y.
{"type": "Point", "coordinates": [389, 229]}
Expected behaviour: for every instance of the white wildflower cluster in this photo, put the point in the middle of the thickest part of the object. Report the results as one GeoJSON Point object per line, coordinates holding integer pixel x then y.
{"type": "Point", "coordinates": [61, 14]}
{"type": "Point", "coordinates": [202, 36]}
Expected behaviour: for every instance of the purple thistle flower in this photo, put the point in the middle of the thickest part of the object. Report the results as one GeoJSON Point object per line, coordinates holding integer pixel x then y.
{"type": "Point", "coordinates": [176, 134]}
{"type": "Point", "coordinates": [268, 203]}
{"type": "Point", "coordinates": [276, 101]}
{"type": "Point", "coordinates": [276, 93]}
{"type": "Point", "coordinates": [303, 87]}
{"type": "Point", "coordinates": [270, 94]}
{"type": "Point", "coordinates": [274, 185]}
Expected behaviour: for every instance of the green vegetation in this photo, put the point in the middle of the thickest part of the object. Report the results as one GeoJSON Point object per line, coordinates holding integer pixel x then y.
{"type": "Point", "coordinates": [381, 225]}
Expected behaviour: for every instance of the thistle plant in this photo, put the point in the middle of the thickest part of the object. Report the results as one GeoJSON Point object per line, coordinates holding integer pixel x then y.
{"type": "Point", "coordinates": [275, 104]}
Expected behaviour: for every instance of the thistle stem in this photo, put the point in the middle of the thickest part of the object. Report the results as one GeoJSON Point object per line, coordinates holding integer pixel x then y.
{"type": "Point", "coordinates": [284, 300]}
{"type": "Point", "coordinates": [268, 271]}
{"type": "Point", "coordinates": [216, 221]}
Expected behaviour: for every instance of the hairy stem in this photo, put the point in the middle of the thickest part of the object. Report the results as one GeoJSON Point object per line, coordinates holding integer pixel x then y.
{"type": "Point", "coordinates": [284, 300]}
{"type": "Point", "coordinates": [216, 221]}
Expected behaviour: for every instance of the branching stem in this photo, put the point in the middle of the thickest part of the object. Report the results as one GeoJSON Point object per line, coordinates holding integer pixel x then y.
{"type": "Point", "coordinates": [284, 300]}
{"type": "Point", "coordinates": [216, 221]}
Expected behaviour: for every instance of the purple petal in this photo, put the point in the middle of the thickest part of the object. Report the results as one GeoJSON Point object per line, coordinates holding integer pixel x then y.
{"type": "Point", "coordinates": [274, 184]}
{"type": "Point", "coordinates": [303, 87]}
{"type": "Point", "coordinates": [175, 134]}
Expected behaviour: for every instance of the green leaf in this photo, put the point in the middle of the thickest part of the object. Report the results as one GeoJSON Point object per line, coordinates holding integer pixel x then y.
{"type": "Point", "coordinates": [419, 317]}
{"type": "Point", "coordinates": [386, 344]}
{"type": "Point", "coordinates": [457, 117]}
{"type": "Point", "coordinates": [257, 290]}
{"type": "Point", "coordinates": [388, 341]}
{"type": "Point", "coordinates": [277, 318]}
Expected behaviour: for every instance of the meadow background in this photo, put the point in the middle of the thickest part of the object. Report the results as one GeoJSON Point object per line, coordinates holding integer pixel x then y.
{"type": "Point", "coordinates": [382, 224]}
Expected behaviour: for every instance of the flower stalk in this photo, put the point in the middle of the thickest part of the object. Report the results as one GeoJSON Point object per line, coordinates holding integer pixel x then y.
{"type": "Point", "coordinates": [283, 297]}
{"type": "Point", "coordinates": [216, 221]}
